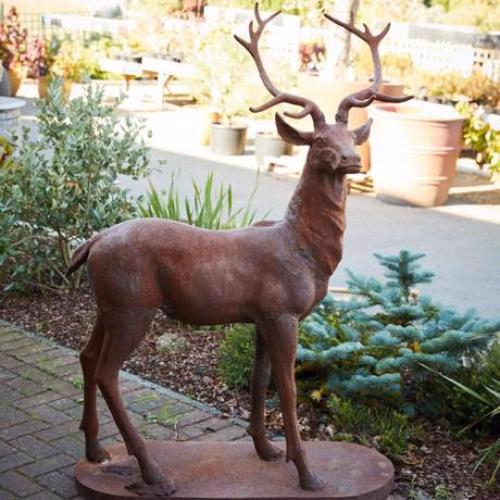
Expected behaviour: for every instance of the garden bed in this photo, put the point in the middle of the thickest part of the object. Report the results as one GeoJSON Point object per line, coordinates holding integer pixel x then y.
{"type": "Point", "coordinates": [438, 463]}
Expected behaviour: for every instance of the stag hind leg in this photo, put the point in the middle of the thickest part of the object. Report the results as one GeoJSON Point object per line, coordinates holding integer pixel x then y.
{"type": "Point", "coordinates": [261, 375]}
{"type": "Point", "coordinates": [281, 336]}
{"type": "Point", "coordinates": [89, 357]}
{"type": "Point", "coordinates": [124, 330]}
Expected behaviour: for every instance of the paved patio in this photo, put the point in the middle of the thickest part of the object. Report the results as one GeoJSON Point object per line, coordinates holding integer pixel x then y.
{"type": "Point", "coordinates": [40, 410]}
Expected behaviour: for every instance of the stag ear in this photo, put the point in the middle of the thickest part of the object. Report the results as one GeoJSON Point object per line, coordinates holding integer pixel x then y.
{"type": "Point", "coordinates": [292, 135]}
{"type": "Point", "coordinates": [362, 133]}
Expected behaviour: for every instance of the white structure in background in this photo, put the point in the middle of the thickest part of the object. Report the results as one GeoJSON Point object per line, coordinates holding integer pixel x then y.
{"type": "Point", "coordinates": [282, 39]}
{"type": "Point", "coordinates": [441, 48]}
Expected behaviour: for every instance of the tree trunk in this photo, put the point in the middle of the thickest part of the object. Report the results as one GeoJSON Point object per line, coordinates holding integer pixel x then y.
{"type": "Point", "coordinates": [339, 60]}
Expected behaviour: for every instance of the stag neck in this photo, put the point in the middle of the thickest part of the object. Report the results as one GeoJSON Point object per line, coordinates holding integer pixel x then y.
{"type": "Point", "coordinates": [316, 216]}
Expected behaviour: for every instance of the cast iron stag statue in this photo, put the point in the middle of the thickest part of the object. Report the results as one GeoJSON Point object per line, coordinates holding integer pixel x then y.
{"type": "Point", "coordinates": [271, 274]}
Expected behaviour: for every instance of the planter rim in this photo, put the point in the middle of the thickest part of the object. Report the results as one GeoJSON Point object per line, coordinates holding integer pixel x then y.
{"type": "Point", "coordinates": [418, 111]}
{"type": "Point", "coordinates": [234, 127]}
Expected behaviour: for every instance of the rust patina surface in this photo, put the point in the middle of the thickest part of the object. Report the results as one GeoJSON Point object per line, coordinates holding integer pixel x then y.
{"type": "Point", "coordinates": [214, 470]}
{"type": "Point", "coordinates": [271, 274]}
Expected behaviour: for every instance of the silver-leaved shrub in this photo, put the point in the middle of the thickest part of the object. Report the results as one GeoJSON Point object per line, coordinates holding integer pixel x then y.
{"type": "Point", "coordinates": [60, 185]}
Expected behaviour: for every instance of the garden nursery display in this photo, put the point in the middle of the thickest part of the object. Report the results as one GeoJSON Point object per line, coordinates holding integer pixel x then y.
{"type": "Point", "coordinates": [267, 381]}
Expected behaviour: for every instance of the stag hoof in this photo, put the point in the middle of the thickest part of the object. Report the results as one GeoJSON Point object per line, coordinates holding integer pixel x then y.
{"type": "Point", "coordinates": [312, 483]}
{"type": "Point", "coordinates": [97, 454]}
{"type": "Point", "coordinates": [163, 488]}
{"type": "Point", "coordinates": [269, 453]}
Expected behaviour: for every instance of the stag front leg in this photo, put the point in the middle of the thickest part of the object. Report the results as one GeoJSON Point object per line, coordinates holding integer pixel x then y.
{"type": "Point", "coordinates": [260, 381]}
{"type": "Point", "coordinates": [281, 335]}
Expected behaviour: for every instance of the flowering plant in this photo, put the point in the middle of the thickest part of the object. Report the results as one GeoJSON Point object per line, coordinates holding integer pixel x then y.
{"type": "Point", "coordinates": [13, 46]}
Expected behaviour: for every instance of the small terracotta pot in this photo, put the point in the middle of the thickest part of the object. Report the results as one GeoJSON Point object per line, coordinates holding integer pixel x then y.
{"type": "Point", "coordinates": [414, 151]}
{"type": "Point", "coordinates": [43, 87]}
{"type": "Point", "coordinates": [17, 74]}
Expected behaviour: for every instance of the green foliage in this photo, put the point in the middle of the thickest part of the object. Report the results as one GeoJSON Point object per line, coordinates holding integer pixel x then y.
{"type": "Point", "coordinates": [236, 355]}
{"type": "Point", "coordinates": [368, 346]}
{"type": "Point", "coordinates": [489, 396]}
{"type": "Point", "coordinates": [476, 88]}
{"type": "Point", "coordinates": [480, 136]}
{"type": "Point", "coordinates": [379, 427]}
{"type": "Point", "coordinates": [208, 208]}
{"type": "Point", "coordinates": [61, 185]}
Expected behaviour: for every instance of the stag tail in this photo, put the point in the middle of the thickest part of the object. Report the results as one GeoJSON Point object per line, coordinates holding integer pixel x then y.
{"type": "Point", "coordinates": [81, 254]}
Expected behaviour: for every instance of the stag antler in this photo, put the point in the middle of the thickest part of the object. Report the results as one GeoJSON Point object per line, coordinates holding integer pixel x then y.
{"type": "Point", "coordinates": [365, 97]}
{"type": "Point", "coordinates": [310, 108]}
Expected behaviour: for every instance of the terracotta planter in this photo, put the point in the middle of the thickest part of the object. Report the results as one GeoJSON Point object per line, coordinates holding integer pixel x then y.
{"type": "Point", "coordinates": [328, 93]}
{"type": "Point", "coordinates": [43, 87]}
{"type": "Point", "coordinates": [414, 148]}
{"type": "Point", "coordinates": [16, 76]}
{"type": "Point", "coordinates": [270, 145]}
{"type": "Point", "coordinates": [228, 139]}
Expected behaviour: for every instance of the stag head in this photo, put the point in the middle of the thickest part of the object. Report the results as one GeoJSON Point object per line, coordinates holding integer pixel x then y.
{"type": "Point", "coordinates": [332, 146]}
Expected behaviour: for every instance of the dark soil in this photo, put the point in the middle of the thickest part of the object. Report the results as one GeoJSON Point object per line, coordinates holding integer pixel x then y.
{"type": "Point", "coordinates": [190, 367]}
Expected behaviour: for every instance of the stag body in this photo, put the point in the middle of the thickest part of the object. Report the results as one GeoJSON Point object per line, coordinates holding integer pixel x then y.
{"type": "Point", "coordinates": [271, 274]}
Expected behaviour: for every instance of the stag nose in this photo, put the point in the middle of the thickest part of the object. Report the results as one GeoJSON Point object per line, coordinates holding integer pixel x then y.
{"type": "Point", "coordinates": [354, 159]}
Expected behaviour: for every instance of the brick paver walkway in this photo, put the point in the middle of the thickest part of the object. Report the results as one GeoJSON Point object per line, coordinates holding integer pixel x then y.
{"type": "Point", "coordinates": [40, 410]}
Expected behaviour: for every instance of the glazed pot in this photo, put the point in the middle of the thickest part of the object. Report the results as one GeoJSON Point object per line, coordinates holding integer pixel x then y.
{"type": "Point", "coordinates": [17, 74]}
{"type": "Point", "coordinates": [414, 151]}
{"type": "Point", "coordinates": [228, 139]}
{"type": "Point", "coordinates": [328, 93]}
{"type": "Point", "coordinates": [270, 145]}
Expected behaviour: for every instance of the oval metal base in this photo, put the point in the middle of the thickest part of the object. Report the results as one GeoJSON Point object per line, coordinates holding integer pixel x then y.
{"type": "Point", "coordinates": [208, 470]}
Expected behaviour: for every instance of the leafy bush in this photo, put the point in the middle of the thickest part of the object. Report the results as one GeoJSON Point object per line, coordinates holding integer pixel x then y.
{"type": "Point", "coordinates": [371, 345]}
{"type": "Point", "coordinates": [480, 136]}
{"type": "Point", "coordinates": [476, 88]}
{"type": "Point", "coordinates": [61, 186]}
{"type": "Point", "coordinates": [236, 356]}
{"type": "Point", "coordinates": [207, 209]}
{"type": "Point", "coordinates": [383, 428]}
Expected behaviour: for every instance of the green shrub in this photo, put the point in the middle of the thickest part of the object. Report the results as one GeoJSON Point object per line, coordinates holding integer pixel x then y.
{"type": "Point", "coordinates": [383, 428]}
{"type": "Point", "coordinates": [61, 185]}
{"type": "Point", "coordinates": [371, 346]}
{"type": "Point", "coordinates": [206, 208]}
{"type": "Point", "coordinates": [236, 356]}
{"type": "Point", "coordinates": [480, 136]}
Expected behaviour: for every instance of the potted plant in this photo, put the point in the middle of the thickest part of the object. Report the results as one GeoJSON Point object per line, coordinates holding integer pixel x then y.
{"type": "Point", "coordinates": [13, 47]}
{"type": "Point", "coordinates": [222, 69]}
{"type": "Point", "coordinates": [40, 57]}
{"type": "Point", "coordinates": [414, 150]}
{"type": "Point", "coordinates": [68, 65]}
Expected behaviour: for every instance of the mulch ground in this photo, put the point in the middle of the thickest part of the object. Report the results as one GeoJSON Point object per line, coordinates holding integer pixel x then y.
{"type": "Point", "coordinates": [190, 367]}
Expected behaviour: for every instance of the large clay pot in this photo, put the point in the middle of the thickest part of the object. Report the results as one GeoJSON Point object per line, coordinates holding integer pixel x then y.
{"type": "Point", "coordinates": [228, 139]}
{"type": "Point", "coordinates": [328, 93]}
{"type": "Point", "coordinates": [414, 151]}
{"type": "Point", "coordinates": [17, 74]}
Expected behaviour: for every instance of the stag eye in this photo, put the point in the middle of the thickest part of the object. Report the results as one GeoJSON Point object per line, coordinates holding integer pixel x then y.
{"type": "Point", "coordinates": [320, 142]}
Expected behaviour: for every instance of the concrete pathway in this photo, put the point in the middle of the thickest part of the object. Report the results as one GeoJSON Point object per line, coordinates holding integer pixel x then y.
{"type": "Point", "coordinates": [41, 406]}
